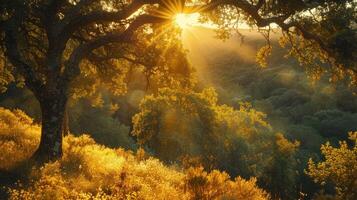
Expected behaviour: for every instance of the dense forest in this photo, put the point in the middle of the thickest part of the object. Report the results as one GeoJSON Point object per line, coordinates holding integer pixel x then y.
{"type": "Point", "coordinates": [176, 99]}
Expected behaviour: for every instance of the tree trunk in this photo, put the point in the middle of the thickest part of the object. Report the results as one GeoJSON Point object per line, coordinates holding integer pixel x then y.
{"type": "Point", "coordinates": [65, 128]}
{"type": "Point", "coordinates": [53, 114]}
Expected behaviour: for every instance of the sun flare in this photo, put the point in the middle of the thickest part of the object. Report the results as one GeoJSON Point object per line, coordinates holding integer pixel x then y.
{"type": "Point", "coordinates": [186, 20]}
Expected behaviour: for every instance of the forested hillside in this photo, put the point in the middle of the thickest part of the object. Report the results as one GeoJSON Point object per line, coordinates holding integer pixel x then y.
{"type": "Point", "coordinates": [303, 109]}
{"type": "Point", "coordinates": [294, 102]}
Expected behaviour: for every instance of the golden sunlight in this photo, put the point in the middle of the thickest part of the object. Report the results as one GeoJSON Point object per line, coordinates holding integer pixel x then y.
{"type": "Point", "coordinates": [186, 20]}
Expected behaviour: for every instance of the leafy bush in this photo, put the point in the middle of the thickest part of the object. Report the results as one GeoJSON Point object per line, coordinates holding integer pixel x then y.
{"type": "Point", "coordinates": [217, 185]}
{"type": "Point", "coordinates": [19, 137]}
{"type": "Point", "coordinates": [339, 168]}
{"type": "Point", "coordinates": [91, 171]}
{"type": "Point", "coordinates": [88, 170]}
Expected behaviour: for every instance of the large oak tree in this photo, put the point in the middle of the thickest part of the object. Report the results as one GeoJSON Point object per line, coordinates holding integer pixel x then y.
{"type": "Point", "coordinates": [46, 43]}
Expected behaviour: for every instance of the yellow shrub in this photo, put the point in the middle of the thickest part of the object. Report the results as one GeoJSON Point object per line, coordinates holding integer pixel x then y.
{"type": "Point", "coordinates": [19, 137]}
{"type": "Point", "coordinates": [91, 171]}
{"type": "Point", "coordinates": [88, 171]}
{"type": "Point", "coordinates": [217, 185]}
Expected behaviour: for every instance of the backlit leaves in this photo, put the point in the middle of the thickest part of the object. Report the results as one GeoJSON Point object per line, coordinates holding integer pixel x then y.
{"type": "Point", "coordinates": [339, 167]}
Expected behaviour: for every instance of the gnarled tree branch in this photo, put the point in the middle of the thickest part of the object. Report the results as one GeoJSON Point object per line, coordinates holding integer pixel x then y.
{"type": "Point", "coordinates": [74, 20]}
{"type": "Point", "coordinates": [83, 50]}
{"type": "Point", "coordinates": [13, 54]}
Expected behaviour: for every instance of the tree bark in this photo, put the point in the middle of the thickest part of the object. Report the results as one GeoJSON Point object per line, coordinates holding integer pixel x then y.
{"type": "Point", "coordinates": [65, 125]}
{"type": "Point", "coordinates": [53, 117]}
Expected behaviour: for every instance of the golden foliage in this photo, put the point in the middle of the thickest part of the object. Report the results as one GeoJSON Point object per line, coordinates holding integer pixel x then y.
{"type": "Point", "coordinates": [284, 146]}
{"type": "Point", "coordinates": [339, 168]}
{"type": "Point", "coordinates": [262, 55]}
{"type": "Point", "coordinates": [19, 137]}
{"type": "Point", "coordinates": [91, 171]}
{"type": "Point", "coordinates": [5, 73]}
{"type": "Point", "coordinates": [217, 185]}
{"type": "Point", "coordinates": [174, 122]}
{"type": "Point", "coordinates": [316, 61]}
{"type": "Point", "coordinates": [170, 108]}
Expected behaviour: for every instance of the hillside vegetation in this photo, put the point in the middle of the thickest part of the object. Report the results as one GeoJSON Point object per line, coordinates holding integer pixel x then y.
{"type": "Point", "coordinates": [264, 126]}
{"type": "Point", "coordinates": [91, 171]}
